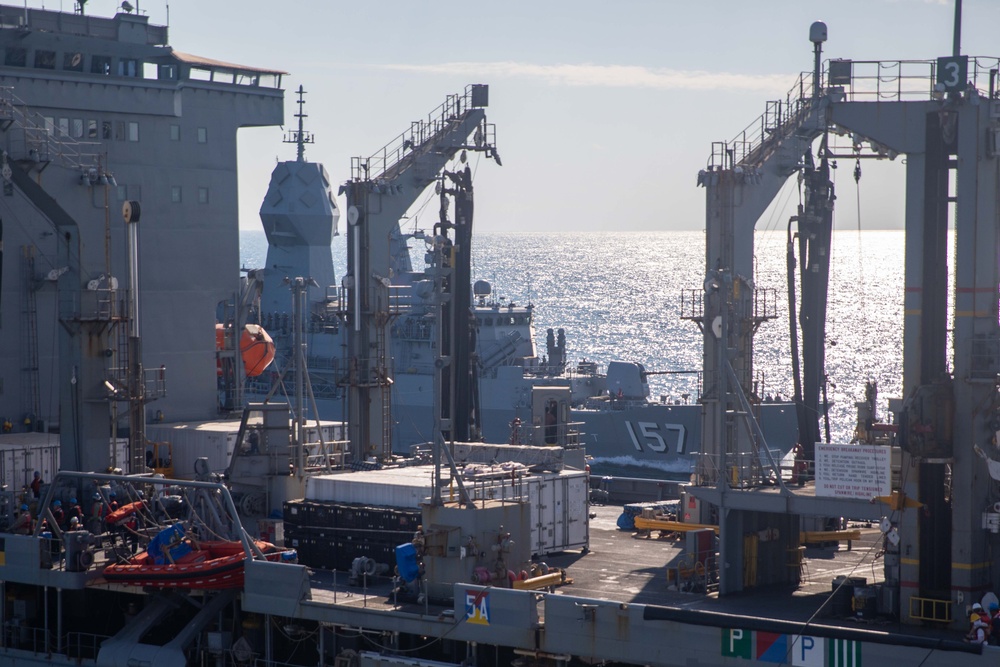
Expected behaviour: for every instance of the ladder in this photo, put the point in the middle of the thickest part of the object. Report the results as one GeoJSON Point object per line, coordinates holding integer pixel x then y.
{"type": "Point", "coordinates": [30, 400]}
{"type": "Point", "coordinates": [386, 389]}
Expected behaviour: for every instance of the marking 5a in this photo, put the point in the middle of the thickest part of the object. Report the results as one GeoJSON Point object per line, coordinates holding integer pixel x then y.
{"type": "Point", "coordinates": [649, 432]}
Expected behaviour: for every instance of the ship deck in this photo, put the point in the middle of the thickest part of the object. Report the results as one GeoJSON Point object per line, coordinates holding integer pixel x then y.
{"type": "Point", "coordinates": [632, 568]}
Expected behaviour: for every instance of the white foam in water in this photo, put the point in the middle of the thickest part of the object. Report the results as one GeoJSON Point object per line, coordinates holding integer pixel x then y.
{"type": "Point", "coordinates": [677, 466]}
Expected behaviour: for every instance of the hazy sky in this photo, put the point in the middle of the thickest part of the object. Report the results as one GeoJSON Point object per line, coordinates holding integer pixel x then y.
{"type": "Point", "coordinates": [605, 110]}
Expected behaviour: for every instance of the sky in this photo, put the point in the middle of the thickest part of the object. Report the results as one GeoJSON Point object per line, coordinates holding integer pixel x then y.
{"type": "Point", "coordinates": [604, 110]}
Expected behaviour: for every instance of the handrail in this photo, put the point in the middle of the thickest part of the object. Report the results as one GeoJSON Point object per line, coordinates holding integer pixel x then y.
{"type": "Point", "coordinates": [387, 157]}
{"type": "Point", "coordinates": [870, 80]}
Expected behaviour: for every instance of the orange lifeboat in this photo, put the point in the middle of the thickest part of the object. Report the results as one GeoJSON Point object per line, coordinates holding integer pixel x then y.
{"type": "Point", "coordinates": [256, 348]}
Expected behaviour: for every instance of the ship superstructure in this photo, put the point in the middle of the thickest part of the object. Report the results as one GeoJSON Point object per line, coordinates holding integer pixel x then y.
{"type": "Point", "coordinates": [97, 112]}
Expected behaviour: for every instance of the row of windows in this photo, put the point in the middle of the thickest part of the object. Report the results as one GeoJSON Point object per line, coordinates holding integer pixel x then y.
{"type": "Point", "coordinates": [79, 128]}
{"type": "Point", "coordinates": [126, 192]}
{"type": "Point", "coordinates": [74, 61]}
{"type": "Point", "coordinates": [201, 134]}
{"type": "Point", "coordinates": [177, 194]}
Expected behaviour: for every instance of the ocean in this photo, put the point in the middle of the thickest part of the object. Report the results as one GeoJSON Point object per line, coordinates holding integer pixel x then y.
{"type": "Point", "coordinates": [618, 296]}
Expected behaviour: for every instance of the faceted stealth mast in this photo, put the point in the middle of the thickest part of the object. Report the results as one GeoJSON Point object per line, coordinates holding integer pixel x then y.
{"type": "Point", "coordinates": [300, 217]}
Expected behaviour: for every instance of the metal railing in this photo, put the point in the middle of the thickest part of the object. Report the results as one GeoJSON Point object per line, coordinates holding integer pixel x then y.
{"type": "Point", "coordinates": [870, 80]}
{"type": "Point", "coordinates": [779, 118]}
{"type": "Point", "coordinates": [421, 131]}
{"type": "Point", "coordinates": [743, 470]}
{"type": "Point", "coordinates": [37, 140]}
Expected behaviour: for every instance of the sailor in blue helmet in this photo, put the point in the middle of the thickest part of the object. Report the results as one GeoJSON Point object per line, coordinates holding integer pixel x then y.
{"type": "Point", "coordinates": [74, 510]}
{"type": "Point", "coordinates": [22, 525]}
{"type": "Point", "coordinates": [58, 513]}
{"type": "Point", "coordinates": [994, 623]}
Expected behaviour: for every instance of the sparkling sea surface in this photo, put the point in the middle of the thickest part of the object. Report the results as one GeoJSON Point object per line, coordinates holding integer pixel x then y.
{"type": "Point", "coordinates": [618, 296]}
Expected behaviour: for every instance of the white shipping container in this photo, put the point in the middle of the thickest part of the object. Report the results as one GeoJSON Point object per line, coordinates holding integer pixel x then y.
{"type": "Point", "coordinates": [559, 509]}
{"type": "Point", "coordinates": [21, 454]}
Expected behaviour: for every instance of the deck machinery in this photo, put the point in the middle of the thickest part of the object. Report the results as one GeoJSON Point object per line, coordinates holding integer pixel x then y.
{"type": "Point", "coordinates": [944, 116]}
{"type": "Point", "coordinates": [381, 190]}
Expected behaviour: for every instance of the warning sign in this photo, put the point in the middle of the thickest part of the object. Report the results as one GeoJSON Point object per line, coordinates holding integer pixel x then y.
{"type": "Point", "coordinates": [852, 471]}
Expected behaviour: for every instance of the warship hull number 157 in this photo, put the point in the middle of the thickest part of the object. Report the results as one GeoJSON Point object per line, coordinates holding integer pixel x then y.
{"type": "Point", "coordinates": [653, 436]}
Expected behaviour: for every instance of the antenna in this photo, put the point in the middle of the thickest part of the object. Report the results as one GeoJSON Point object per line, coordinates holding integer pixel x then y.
{"type": "Point", "coordinates": [957, 44]}
{"type": "Point", "coordinates": [300, 137]}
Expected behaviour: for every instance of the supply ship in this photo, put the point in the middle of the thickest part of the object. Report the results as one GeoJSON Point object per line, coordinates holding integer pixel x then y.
{"type": "Point", "coordinates": [765, 571]}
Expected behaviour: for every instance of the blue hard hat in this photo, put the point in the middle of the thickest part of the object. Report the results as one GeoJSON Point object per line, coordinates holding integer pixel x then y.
{"type": "Point", "coordinates": [97, 496]}
{"type": "Point", "coordinates": [994, 606]}
{"type": "Point", "coordinates": [72, 501]}
{"type": "Point", "coordinates": [57, 503]}
{"type": "Point", "coordinates": [24, 508]}
{"type": "Point", "coordinates": [111, 495]}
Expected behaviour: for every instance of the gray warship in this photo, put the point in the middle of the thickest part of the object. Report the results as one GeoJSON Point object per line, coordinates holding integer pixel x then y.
{"type": "Point", "coordinates": [764, 593]}
{"type": "Point", "coordinates": [608, 410]}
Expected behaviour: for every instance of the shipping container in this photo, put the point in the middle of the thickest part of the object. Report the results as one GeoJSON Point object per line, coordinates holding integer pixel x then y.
{"type": "Point", "coordinates": [559, 501]}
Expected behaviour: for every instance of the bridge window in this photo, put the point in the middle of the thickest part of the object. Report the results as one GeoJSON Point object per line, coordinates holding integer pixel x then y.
{"type": "Point", "coordinates": [202, 195]}
{"type": "Point", "coordinates": [106, 129]}
{"type": "Point", "coordinates": [100, 65]}
{"type": "Point", "coordinates": [129, 67]}
{"type": "Point", "coordinates": [202, 135]}
{"type": "Point", "coordinates": [133, 131]}
{"type": "Point", "coordinates": [73, 62]}
{"type": "Point", "coordinates": [77, 128]}
{"type": "Point", "coordinates": [91, 129]}
{"type": "Point", "coordinates": [16, 57]}
{"type": "Point", "coordinates": [175, 133]}
{"type": "Point", "coordinates": [64, 127]}
{"type": "Point", "coordinates": [45, 59]}
{"type": "Point", "coordinates": [175, 194]}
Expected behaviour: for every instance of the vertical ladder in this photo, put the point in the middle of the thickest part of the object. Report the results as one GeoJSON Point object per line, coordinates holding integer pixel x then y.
{"type": "Point", "coordinates": [30, 400]}
{"type": "Point", "coordinates": [386, 389]}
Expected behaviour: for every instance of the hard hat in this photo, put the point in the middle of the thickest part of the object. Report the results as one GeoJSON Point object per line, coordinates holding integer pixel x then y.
{"type": "Point", "coordinates": [111, 495]}
{"type": "Point", "coordinates": [97, 496]}
{"type": "Point", "coordinates": [72, 501]}
{"type": "Point", "coordinates": [38, 474]}
{"type": "Point", "coordinates": [977, 607]}
{"type": "Point", "coordinates": [994, 606]}
{"type": "Point", "coordinates": [24, 508]}
{"type": "Point", "coordinates": [57, 503]}
{"type": "Point", "coordinates": [74, 520]}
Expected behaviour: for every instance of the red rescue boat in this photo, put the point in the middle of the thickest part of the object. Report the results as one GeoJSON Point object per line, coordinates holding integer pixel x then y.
{"type": "Point", "coordinates": [184, 563]}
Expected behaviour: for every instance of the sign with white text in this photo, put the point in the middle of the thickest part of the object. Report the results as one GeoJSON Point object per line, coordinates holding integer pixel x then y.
{"type": "Point", "coordinates": [852, 471]}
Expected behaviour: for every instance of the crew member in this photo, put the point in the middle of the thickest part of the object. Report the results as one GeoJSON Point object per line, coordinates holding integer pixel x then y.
{"type": "Point", "coordinates": [58, 513]}
{"type": "Point", "coordinates": [980, 624]}
{"type": "Point", "coordinates": [95, 518]}
{"type": "Point", "coordinates": [22, 525]}
{"type": "Point", "coordinates": [74, 510]}
{"type": "Point", "coordinates": [36, 484]}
